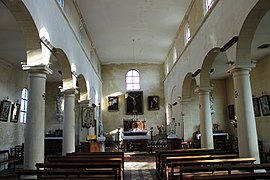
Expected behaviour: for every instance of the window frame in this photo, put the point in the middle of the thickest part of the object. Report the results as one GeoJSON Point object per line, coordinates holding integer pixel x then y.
{"type": "Point", "coordinates": [132, 78]}
{"type": "Point", "coordinates": [24, 104]}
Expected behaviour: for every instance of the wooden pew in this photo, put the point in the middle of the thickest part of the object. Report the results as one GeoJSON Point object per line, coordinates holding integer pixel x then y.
{"type": "Point", "coordinates": [170, 160]}
{"type": "Point", "coordinates": [99, 154]}
{"type": "Point", "coordinates": [160, 164]}
{"type": "Point", "coordinates": [6, 158]}
{"type": "Point", "coordinates": [212, 162]}
{"type": "Point", "coordinates": [240, 176]}
{"type": "Point", "coordinates": [229, 168]}
{"type": "Point", "coordinates": [68, 173]}
{"type": "Point", "coordinates": [161, 155]}
{"type": "Point", "coordinates": [84, 165]}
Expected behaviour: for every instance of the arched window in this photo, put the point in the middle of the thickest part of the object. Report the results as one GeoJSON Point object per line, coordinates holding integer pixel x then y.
{"type": "Point", "coordinates": [24, 102]}
{"type": "Point", "coordinates": [132, 80]}
{"type": "Point", "coordinates": [207, 5]}
{"type": "Point", "coordinates": [187, 34]}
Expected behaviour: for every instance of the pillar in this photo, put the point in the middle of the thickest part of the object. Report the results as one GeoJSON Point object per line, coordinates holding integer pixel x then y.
{"type": "Point", "coordinates": [69, 121]}
{"type": "Point", "coordinates": [35, 125]}
{"type": "Point", "coordinates": [205, 118]}
{"type": "Point", "coordinates": [246, 125]}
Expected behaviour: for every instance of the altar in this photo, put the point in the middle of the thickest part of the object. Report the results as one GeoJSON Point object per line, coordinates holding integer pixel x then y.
{"type": "Point", "coordinates": [135, 135]}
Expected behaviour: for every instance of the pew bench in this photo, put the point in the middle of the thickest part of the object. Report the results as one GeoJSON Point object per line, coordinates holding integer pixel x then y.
{"type": "Point", "coordinates": [68, 173]}
{"type": "Point", "coordinates": [161, 155]}
{"type": "Point", "coordinates": [208, 165]}
{"type": "Point", "coordinates": [240, 176]}
{"type": "Point", "coordinates": [7, 159]}
{"type": "Point", "coordinates": [108, 165]}
{"type": "Point", "coordinates": [170, 160]}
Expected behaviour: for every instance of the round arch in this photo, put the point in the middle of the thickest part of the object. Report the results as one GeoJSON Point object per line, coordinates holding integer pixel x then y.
{"type": "Point", "coordinates": [206, 67]}
{"type": "Point", "coordinates": [28, 28]}
{"type": "Point", "coordinates": [65, 67]}
{"type": "Point", "coordinates": [186, 87]}
{"type": "Point", "coordinates": [243, 49]}
{"type": "Point", "coordinates": [82, 88]}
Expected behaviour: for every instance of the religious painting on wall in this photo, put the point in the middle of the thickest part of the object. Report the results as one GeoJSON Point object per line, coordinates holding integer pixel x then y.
{"type": "Point", "coordinates": [153, 103]}
{"type": "Point", "coordinates": [87, 116]}
{"type": "Point", "coordinates": [4, 110]}
{"type": "Point", "coordinates": [256, 107]}
{"type": "Point", "coordinates": [265, 104]}
{"type": "Point", "coordinates": [113, 103]}
{"type": "Point", "coordinates": [15, 112]}
{"type": "Point", "coordinates": [134, 102]}
{"type": "Point", "coordinates": [231, 112]}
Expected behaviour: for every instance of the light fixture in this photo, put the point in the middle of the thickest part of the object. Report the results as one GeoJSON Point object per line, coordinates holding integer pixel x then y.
{"type": "Point", "coordinates": [229, 44]}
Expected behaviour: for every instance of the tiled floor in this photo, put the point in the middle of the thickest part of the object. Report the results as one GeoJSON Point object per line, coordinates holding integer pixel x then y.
{"type": "Point", "coordinates": [140, 167]}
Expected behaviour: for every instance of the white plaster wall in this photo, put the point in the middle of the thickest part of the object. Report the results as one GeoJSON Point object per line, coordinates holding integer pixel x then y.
{"type": "Point", "coordinates": [151, 76]}
{"type": "Point", "coordinates": [261, 86]}
{"type": "Point", "coordinates": [64, 37]}
{"type": "Point", "coordinates": [213, 33]}
{"type": "Point", "coordinates": [12, 81]}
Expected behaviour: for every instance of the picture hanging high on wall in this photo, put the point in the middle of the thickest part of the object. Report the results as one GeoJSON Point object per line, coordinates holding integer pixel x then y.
{"type": "Point", "coordinates": [15, 112]}
{"type": "Point", "coordinates": [113, 103]}
{"type": "Point", "coordinates": [256, 107]}
{"type": "Point", "coordinates": [265, 104]}
{"type": "Point", "coordinates": [4, 110]}
{"type": "Point", "coordinates": [134, 102]}
{"type": "Point", "coordinates": [153, 103]}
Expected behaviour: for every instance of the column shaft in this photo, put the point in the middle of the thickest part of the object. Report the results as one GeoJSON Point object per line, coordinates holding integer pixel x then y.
{"type": "Point", "coordinates": [205, 120]}
{"type": "Point", "coordinates": [246, 125]}
{"type": "Point", "coordinates": [35, 125]}
{"type": "Point", "coordinates": [69, 123]}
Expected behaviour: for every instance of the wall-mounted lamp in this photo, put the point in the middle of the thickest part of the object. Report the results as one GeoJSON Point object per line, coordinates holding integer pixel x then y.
{"type": "Point", "coordinates": [174, 103]}
{"type": "Point", "coordinates": [48, 44]}
{"type": "Point", "coordinates": [196, 73]}
{"type": "Point", "coordinates": [229, 44]}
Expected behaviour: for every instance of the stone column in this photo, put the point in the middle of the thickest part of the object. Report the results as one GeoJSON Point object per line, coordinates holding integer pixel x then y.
{"type": "Point", "coordinates": [69, 121]}
{"type": "Point", "coordinates": [205, 118]}
{"type": "Point", "coordinates": [246, 125]}
{"type": "Point", "coordinates": [35, 126]}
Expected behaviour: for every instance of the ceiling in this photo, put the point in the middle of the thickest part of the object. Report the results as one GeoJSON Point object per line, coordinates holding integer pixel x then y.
{"type": "Point", "coordinates": [113, 25]}
{"type": "Point", "coordinates": [152, 24]}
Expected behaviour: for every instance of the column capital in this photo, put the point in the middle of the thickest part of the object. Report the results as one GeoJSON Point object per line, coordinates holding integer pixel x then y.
{"type": "Point", "coordinates": [236, 68]}
{"type": "Point", "coordinates": [42, 68]}
{"type": "Point", "coordinates": [69, 91]}
{"type": "Point", "coordinates": [203, 89]}
{"type": "Point", "coordinates": [85, 102]}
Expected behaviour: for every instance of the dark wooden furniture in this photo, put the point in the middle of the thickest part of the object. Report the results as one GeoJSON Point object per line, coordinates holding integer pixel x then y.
{"type": "Point", "coordinates": [240, 176]}
{"type": "Point", "coordinates": [181, 164]}
{"type": "Point", "coordinates": [90, 146]}
{"type": "Point", "coordinates": [98, 159]}
{"type": "Point", "coordinates": [174, 143]}
{"type": "Point", "coordinates": [7, 159]}
{"type": "Point", "coordinates": [161, 156]}
{"type": "Point", "coordinates": [69, 173]}
{"type": "Point", "coordinates": [53, 145]}
{"type": "Point", "coordinates": [229, 168]}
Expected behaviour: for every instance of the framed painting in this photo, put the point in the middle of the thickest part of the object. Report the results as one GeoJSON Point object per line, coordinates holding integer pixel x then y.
{"type": "Point", "coordinates": [153, 103]}
{"type": "Point", "coordinates": [87, 116]}
{"type": "Point", "coordinates": [15, 112]}
{"type": "Point", "coordinates": [231, 112]}
{"type": "Point", "coordinates": [256, 107]}
{"type": "Point", "coordinates": [134, 102]}
{"type": "Point", "coordinates": [113, 103]}
{"type": "Point", "coordinates": [4, 110]}
{"type": "Point", "coordinates": [265, 105]}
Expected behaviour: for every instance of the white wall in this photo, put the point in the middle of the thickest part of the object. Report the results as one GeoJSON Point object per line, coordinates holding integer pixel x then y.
{"type": "Point", "coordinates": [151, 76]}
{"type": "Point", "coordinates": [12, 81]}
